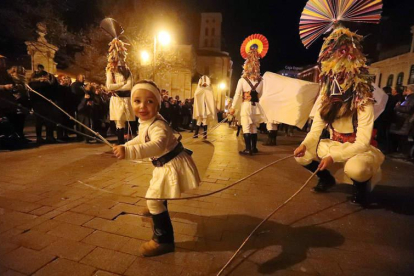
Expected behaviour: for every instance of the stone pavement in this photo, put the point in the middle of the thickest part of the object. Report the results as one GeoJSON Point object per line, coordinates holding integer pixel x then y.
{"type": "Point", "coordinates": [53, 224]}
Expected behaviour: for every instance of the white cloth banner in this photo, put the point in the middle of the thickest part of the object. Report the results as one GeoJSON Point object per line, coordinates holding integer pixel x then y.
{"type": "Point", "coordinates": [287, 100]}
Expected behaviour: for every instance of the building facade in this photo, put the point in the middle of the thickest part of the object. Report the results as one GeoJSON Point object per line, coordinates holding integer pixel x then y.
{"type": "Point", "coordinates": [397, 70]}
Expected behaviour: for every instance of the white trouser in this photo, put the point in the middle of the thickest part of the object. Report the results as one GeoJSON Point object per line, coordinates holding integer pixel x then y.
{"type": "Point", "coordinates": [359, 167]}
{"type": "Point", "coordinates": [201, 121]}
{"type": "Point", "coordinates": [156, 206]}
{"type": "Point", "coordinates": [120, 124]}
{"type": "Point", "coordinates": [248, 128]}
{"type": "Point", "coordinates": [271, 126]}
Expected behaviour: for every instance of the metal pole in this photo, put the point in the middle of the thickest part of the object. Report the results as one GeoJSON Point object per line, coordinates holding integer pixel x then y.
{"type": "Point", "coordinates": [153, 60]}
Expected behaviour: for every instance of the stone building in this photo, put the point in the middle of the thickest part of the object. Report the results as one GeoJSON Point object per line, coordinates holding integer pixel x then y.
{"type": "Point", "coordinates": [395, 67]}
{"type": "Point", "coordinates": [211, 61]}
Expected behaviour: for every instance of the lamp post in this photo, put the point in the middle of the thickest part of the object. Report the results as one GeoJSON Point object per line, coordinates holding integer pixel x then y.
{"type": "Point", "coordinates": [163, 38]}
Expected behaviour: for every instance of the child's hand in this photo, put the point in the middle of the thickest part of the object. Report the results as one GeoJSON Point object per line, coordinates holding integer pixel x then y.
{"type": "Point", "coordinates": [119, 152]}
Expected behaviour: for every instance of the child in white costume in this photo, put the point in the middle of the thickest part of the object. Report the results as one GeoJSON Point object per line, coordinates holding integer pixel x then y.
{"type": "Point", "coordinates": [175, 171]}
{"type": "Point", "coordinates": [204, 105]}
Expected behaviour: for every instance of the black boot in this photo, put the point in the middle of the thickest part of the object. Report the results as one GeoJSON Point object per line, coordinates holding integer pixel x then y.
{"type": "Point", "coordinates": [326, 180]}
{"type": "Point", "coordinates": [121, 138]}
{"type": "Point", "coordinates": [205, 132]}
{"type": "Point", "coordinates": [248, 143]}
{"type": "Point", "coordinates": [197, 129]}
{"type": "Point", "coordinates": [271, 138]}
{"type": "Point", "coordinates": [163, 239]}
{"type": "Point", "coordinates": [359, 193]}
{"type": "Point", "coordinates": [254, 143]}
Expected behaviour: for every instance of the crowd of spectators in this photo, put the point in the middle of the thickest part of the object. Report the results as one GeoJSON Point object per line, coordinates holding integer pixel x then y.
{"type": "Point", "coordinates": [87, 102]}
{"type": "Point", "coordinates": [395, 126]}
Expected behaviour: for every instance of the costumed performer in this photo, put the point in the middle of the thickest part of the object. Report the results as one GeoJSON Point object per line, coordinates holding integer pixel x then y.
{"type": "Point", "coordinates": [204, 109]}
{"type": "Point", "coordinates": [249, 90]}
{"type": "Point", "coordinates": [175, 171]}
{"type": "Point", "coordinates": [347, 110]}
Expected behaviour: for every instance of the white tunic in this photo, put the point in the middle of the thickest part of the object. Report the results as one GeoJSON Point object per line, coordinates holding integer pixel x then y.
{"type": "Point", "coordinates": [250, 114]}
{"type": "Point", "coordinates": [120, 108]}
{"type": "Point", "coordinates": [175, 177]}
{"type": "Point", "coordinates": [204, 107]}
{"type": "Point", "coordinates": [361, 151]}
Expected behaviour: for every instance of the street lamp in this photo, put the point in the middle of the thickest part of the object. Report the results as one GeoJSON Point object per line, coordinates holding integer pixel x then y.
{"type": "Point", "coordinates": [164, 38]}
{"type": "Point", "coordinates": [145, 57]}
{"type": "Point", "coordinates": [222, 85]}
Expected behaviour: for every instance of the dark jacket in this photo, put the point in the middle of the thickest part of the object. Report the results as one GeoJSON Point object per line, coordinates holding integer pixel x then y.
{"type": "Point", "coordinates": [404, 117]}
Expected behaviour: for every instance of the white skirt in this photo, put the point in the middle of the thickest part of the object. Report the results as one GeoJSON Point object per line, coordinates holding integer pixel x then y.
{"type": "Point", "coordinates": [175, 177]}
{"type": "Point", "coordinates": [120, 109]}
{"type": "Point", "coordinates": [252, 114]}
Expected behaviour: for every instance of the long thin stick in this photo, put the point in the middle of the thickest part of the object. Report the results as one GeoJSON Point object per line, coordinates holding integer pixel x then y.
{"type": "Point", "coordinates": [197, 196]}
{"type": "Point", "coordinates": [263, 221]}
{"type": "Point", "coordinates": [72, 118]}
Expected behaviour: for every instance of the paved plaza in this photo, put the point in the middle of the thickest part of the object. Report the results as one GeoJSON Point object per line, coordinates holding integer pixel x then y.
{"type": "Point", "coordinates": [72, 209]}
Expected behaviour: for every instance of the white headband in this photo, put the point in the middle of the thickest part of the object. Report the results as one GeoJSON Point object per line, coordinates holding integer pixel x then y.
{"type": "Point", "coordinates": [149, 87]}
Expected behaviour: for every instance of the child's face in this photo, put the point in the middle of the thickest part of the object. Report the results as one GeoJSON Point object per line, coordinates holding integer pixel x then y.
{"type": "Point", "coordinates": [145, 104]}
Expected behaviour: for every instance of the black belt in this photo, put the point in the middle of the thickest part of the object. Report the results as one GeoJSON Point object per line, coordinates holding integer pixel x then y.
{"type": "Point", "coordinates": [161, 161]}
{"type": "Point", "coordinates": [124, 94]}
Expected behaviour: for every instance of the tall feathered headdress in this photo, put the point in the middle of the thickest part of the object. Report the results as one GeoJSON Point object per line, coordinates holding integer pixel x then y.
{"type": "Point", "coordinates": [344, 73]}
{"type": "Point", "coordinates": [117, 52]}
{"type": "Point", "coordinates": [253, 49]}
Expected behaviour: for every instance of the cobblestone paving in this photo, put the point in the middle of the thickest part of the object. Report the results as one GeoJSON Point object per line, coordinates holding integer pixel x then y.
{"type": "Point", "coordinates": [51, 223]}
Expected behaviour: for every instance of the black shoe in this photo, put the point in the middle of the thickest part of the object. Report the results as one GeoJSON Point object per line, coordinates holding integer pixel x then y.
{"type": "Point", "coordinates": [359, 193]}
{"type": "Point", "coordinates": [324, 184]}
{"type": "Point", "coordinates": [205, 132]}
{"type": "Point", "coordinates": [248, 144]}
{"type": "Point", "coordinates": [254, 143]}
{"type": "Point", "coordinates": [326, 180]}
{"type": "Point", "coordinates": [40, 140]}
{"type": "Point", "coordinates": [197, 129]}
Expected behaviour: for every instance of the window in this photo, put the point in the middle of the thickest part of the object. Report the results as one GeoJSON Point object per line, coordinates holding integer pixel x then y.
{"type": "Point", "coordinates": [400, 79]}
{"type": "Point", "coordinates": [207, 31]}
{"type": "Point", "coordinates": [206, 70]}
{"type": "Point", "coordinates": [411, 79]}
{"type": "Point", "coordinates": [212, 43]}
{"type": "Point", "coordinates": [390, 80]}
{"type": "Point", "coordinates": [206, 42]}
{"type": "Point", "coordinates": [213, 31]}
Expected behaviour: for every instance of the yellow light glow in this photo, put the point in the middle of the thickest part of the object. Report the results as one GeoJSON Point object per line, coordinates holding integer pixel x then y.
{"type": "Point", "coordinates": [222, 86]}
{"type": "Point", "coordinates": [145, 57]}
{"type": "Point", "coordinates": [164, 38]}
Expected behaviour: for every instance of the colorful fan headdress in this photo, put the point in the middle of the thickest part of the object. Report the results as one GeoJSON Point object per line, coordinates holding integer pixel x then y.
{"type": "Point", "coordinates": [320, 16]}
{"type": "Point", "coordinates": [117, 50]}
{"type": "Point", "coordinates": [256, 42]}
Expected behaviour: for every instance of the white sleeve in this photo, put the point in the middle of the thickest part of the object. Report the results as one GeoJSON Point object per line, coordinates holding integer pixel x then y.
{"type": "Point", "coordinates": [238, 93]}
{"type": "Point", "coordinates": [132, 142]}
{"type": "Point", "coordinates": [110, 82]}
{"type": "Point", "coordinates": [127, 86]}
{"type": "Point", "coordinates": [156, 147]}
{"type": "Point", "coordinates": [363, 136]}
{"type": "Point", "coordinates": [315, 132]}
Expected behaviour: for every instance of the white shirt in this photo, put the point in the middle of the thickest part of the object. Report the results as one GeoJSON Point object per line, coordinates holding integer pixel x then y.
{"type": "Point", "coordinates": [162, 140]}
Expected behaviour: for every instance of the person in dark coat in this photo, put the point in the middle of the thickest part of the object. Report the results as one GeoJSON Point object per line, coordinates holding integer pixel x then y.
{"type": "Point", "coordinates": [78, 92]}
{"type": "Point", "coordinates": [44, 83]}
{"type": "Point", "coordinates": [85, 109]}
{"type": "Point", "coordinates": [404, 119]}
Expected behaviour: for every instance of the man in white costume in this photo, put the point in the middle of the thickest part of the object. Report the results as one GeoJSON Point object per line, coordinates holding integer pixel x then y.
{"type": "Point", "coordinates": [119, 79]}
{"type": "Point", "coordinates": [119, 82]}
{"type": "Point", "coordinates": [204, 109]}
{"type": "Point", "coordinates": [347, 110]}
{"type": "Point", "coordinates": [246, 99]}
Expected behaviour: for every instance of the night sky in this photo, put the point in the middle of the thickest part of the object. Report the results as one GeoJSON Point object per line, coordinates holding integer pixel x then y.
{"type": "Point", "coordinates": [278, 20]}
